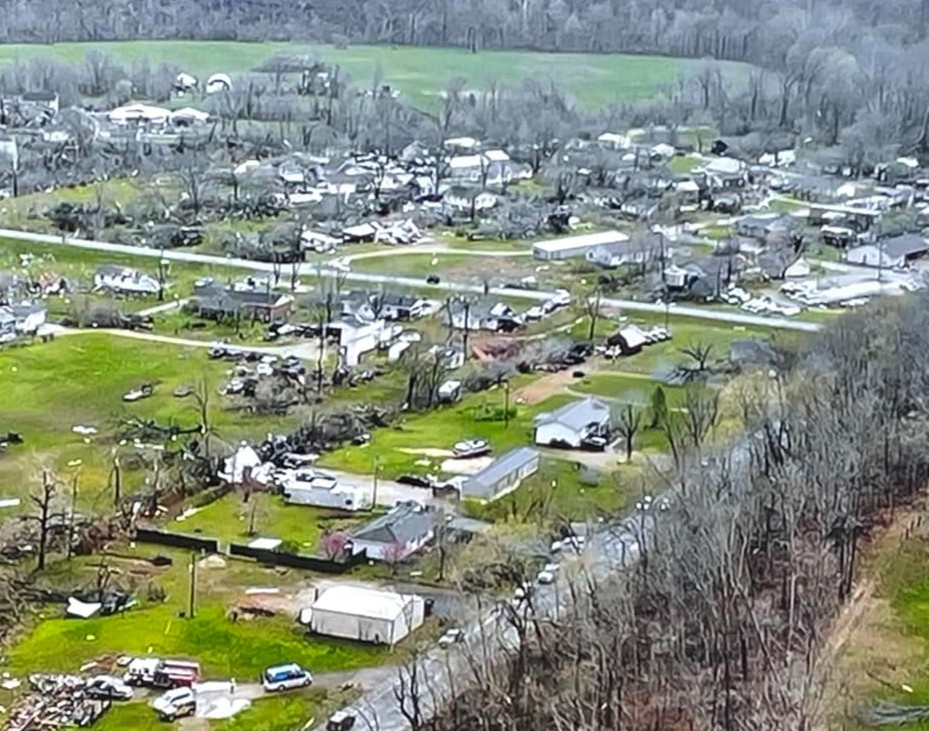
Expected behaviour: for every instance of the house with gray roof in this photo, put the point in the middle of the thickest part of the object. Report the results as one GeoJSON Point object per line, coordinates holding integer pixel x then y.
{"type": "Point", "coordinates": [895, 252]}
{"type": "Point", "coordinates": [404, 530]}
{"type": "Point", "coordinates": [573, 424]}
{"type": "Point", "coordinates": [501, 476]}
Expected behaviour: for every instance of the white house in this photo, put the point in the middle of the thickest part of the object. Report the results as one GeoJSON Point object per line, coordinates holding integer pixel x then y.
{"type": "Point", "coordinates": [309, 487]}
{"type": "Point", "coordinates": [366, 615]}
{"type": "Point", "coordinates": [892, 253]}
{"type": "Point", "coordinates": [357, 337]}
{"type": "Point", "coordinates": [401, 532]}
{"type": "Point", "coordinates": [573, 423]}
{"type": "Point", "coordinates": [125, 280]}
{"type": "Point", "coordinates": [135, 113]}
{"type": "Point", "coordinates": [574, 246]}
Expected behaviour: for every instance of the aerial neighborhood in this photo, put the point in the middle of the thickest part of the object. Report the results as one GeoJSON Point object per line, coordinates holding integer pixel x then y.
{"type": "Point", "coordinates": [401, 377]}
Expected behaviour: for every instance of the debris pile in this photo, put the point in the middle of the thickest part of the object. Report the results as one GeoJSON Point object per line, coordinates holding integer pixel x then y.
{"type": "Point", "coordinates": [56, 701]}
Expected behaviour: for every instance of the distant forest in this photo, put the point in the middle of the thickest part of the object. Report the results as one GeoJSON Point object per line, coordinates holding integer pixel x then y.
{"type": "Point", "coordinates": [761, 32]}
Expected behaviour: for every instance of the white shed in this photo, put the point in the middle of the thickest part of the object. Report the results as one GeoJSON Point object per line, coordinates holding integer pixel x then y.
{"type": "Point", "coordinates": [364, 614]}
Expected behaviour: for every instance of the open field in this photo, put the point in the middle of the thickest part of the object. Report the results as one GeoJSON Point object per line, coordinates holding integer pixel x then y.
{"type": "Point", "coordinates": [420, 73]}
{"type": "Point", "coordinates": [224, 648]}
{"type": "Point", "coordinates": [476, 416]}
{"type": "Point", "coordinates": [229, 519]}
{"type": "Point", "coordinates": [79, 380]}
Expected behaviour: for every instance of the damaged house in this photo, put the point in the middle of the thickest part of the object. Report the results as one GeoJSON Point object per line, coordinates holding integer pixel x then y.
{"type": "Point", "coordinates": [213, 302]}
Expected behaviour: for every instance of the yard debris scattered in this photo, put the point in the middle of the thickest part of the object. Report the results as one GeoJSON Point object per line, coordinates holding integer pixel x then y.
{"type": "Point", "coordinates": [56, 702]}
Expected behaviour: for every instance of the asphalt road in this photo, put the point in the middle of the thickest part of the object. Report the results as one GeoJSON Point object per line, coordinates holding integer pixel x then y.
{"type": "Point", "coordinates": [609, 550]}
{"type": "Point", "coordinates": [311, 269]}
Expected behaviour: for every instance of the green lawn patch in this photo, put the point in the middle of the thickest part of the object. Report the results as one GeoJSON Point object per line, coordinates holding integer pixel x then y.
{"type": "Point", "coordinates": [419, 73]}
{"type": "Point", "coordinates": [224, 648]}
{"type": "Point", "coordinates": [476, 416]}
{"type": "Point", "coordinates": [229, 519]}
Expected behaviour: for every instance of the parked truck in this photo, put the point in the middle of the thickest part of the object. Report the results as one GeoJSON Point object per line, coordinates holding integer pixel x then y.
{"type": "Point", "coordinates": [153, 672]}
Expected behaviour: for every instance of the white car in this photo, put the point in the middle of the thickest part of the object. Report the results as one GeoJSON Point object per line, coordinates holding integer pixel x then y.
{"type": "Point", "coordinates": [548, 574]}
{"type": "Point", "coordinates": [176, 703]}
{"type": "Point", "coordinates": [534, 313]}
{"type": "Point", "coordinates": [471, 448]}
{"type": "Point", "coordinates": [451, 637]}
{"type": "Point", "coordinates": [561, 298]}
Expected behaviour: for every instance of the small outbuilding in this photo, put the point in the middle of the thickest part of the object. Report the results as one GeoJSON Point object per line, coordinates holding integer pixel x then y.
{"type": "Point", "coordinates": [364, 614]}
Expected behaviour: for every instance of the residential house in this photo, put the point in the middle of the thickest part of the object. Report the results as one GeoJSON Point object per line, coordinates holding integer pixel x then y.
{"type": "Point", "coordinates": [356, 337]}
{"type": "Point", "coordinates": [465, 315]}
{"type": "Point", "coordinates": [896, 252]}
{"type": "Point", "coordinates": [726, 173]}
{"type": "Point", "coordinates": [393, 306]}
{"type": "Point", "coordinates": [464, 198]}
{"type": "Point", "coordinates": [29, 316]}
{"type": "Point", "coordinates": [611, 256]}
{"type": "Point", "coordinates": [573, 424]}
{"type": "Point", "coordinates": [7, 325]}
{"type": "Point", "coordinates": [221, 303]}
{"type": "Point", "coordinates": [501, 476]}
{"type": "Point", "coordinates": [125, 280]}
{"type": "Point", "coordinates": [405, 529]}
{"type": "Point", "coordinates": [766, 228]}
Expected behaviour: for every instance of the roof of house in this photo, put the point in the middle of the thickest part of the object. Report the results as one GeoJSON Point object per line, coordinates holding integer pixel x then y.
{"type": "Point", "coordinates": [360, 601]}
{"type": "Point", "coordinates": [404, 523]}
{"type": "Point", "coordinates": [577, 414]}
{"type": "Point", "coordinates": [220, 298]}
{"type": "Point", "coordinates": [481, 484]}
{"type": "Point", "coordinates": [580, 242]}
{"type": "Point", "coordinates": [903, 245]}
{"type": "Point", "coordinates": [40, 96]}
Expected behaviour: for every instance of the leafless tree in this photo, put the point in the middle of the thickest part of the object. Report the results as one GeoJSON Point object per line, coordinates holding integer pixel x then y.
{"type": "Point", "coordinates": [627, 422]}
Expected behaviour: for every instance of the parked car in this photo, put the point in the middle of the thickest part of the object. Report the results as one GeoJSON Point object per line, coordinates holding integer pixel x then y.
{"type": "Point", "coordinates": [175, 704]}
{"type": "Point", "coordinates": [471, 448]}
{"type": "Point", "coordinates": [451, 637]}
{"type": "Point", "coordinates": [285, 677]}
{"type": "Point", "coordinates": [433, 279]}
{"type": "Point", "coordinates": [548, 574]}
{"type": "Point", "coordinates": [108, 687]}
{"type": "Point", "coordinates": [415, 481]}
{"type": "Point", "coordinates": [340, 721]}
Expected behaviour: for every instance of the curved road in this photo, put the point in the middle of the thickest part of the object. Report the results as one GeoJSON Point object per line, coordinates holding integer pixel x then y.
{"type": "Point", "coordinates": [310, 269]}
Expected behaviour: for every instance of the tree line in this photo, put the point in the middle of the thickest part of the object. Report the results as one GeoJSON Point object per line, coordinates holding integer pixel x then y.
{"type": "Point", "coordinates": [722, 622]}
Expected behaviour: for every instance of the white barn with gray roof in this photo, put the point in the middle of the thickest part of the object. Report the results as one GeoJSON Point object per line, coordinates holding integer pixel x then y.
{"type": "Point", "coordinates": [573, 423]}
{"type": "Point", "coordinates": [501, 476]}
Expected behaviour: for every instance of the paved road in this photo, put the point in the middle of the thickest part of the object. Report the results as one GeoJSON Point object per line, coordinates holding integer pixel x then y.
{"type": "Point", "coordinates": [311, 269]}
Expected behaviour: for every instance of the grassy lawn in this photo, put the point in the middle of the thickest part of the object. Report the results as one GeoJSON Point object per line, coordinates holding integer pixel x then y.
{"type": "Point", "coordinates": [229, 518]}
{"type": "Point", "coordinates": [440, 429]}
{"type": "Point", "coordinates": [421, 73]}
{"type": "Point", "coordinates": [560, 491]}
{"type": "Point", "coordinates": [79, 380]}
{"type": "Point", "coordinates": [682, 164]}
{"type": "Point", "coordinates": [224, 648]}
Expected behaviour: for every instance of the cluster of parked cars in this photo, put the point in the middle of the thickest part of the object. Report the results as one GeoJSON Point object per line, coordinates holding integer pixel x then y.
{"type": "Point", "coordinates": [758, 304]}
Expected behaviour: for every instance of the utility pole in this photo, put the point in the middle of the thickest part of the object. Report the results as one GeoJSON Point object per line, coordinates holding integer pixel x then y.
{"type": "Point", "coordinates": [506, 403]}
{"type": "Point", "coordinates": [377, 467]}
{"type": "Point", "coordinates": [73, 513]}
{"type": "Point", "coordinates": [192, 603]}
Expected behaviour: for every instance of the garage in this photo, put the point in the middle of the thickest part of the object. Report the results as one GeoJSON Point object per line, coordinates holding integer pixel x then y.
{"type": "Point", "coordinates": [366, 615]}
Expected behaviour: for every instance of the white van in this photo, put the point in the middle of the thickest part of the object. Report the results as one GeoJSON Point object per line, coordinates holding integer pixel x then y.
{"type": "Point", "coordinates": [285, 677]}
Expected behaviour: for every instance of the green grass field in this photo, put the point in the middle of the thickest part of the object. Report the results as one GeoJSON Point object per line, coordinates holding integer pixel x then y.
{"type": "Point", "coordinates": [419, 73]}
{"type": "Point", "coordinates": [228, 519]}
{"type": "Point", "coordinates": [79, 380]}
{"type": "Point", "coordinates": [224, 648]}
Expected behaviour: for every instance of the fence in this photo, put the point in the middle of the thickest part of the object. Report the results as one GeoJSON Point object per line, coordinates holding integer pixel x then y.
{"type": "Point", "coordinates": [292, 560]}
{"type": "Point", "coordinates": [176, 540]}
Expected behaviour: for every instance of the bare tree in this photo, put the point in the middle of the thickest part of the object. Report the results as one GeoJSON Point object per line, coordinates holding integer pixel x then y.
{"type": "Point", "coordinates": [44, 503]}
{"type": "Point", "coordinates": [627, 422]}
